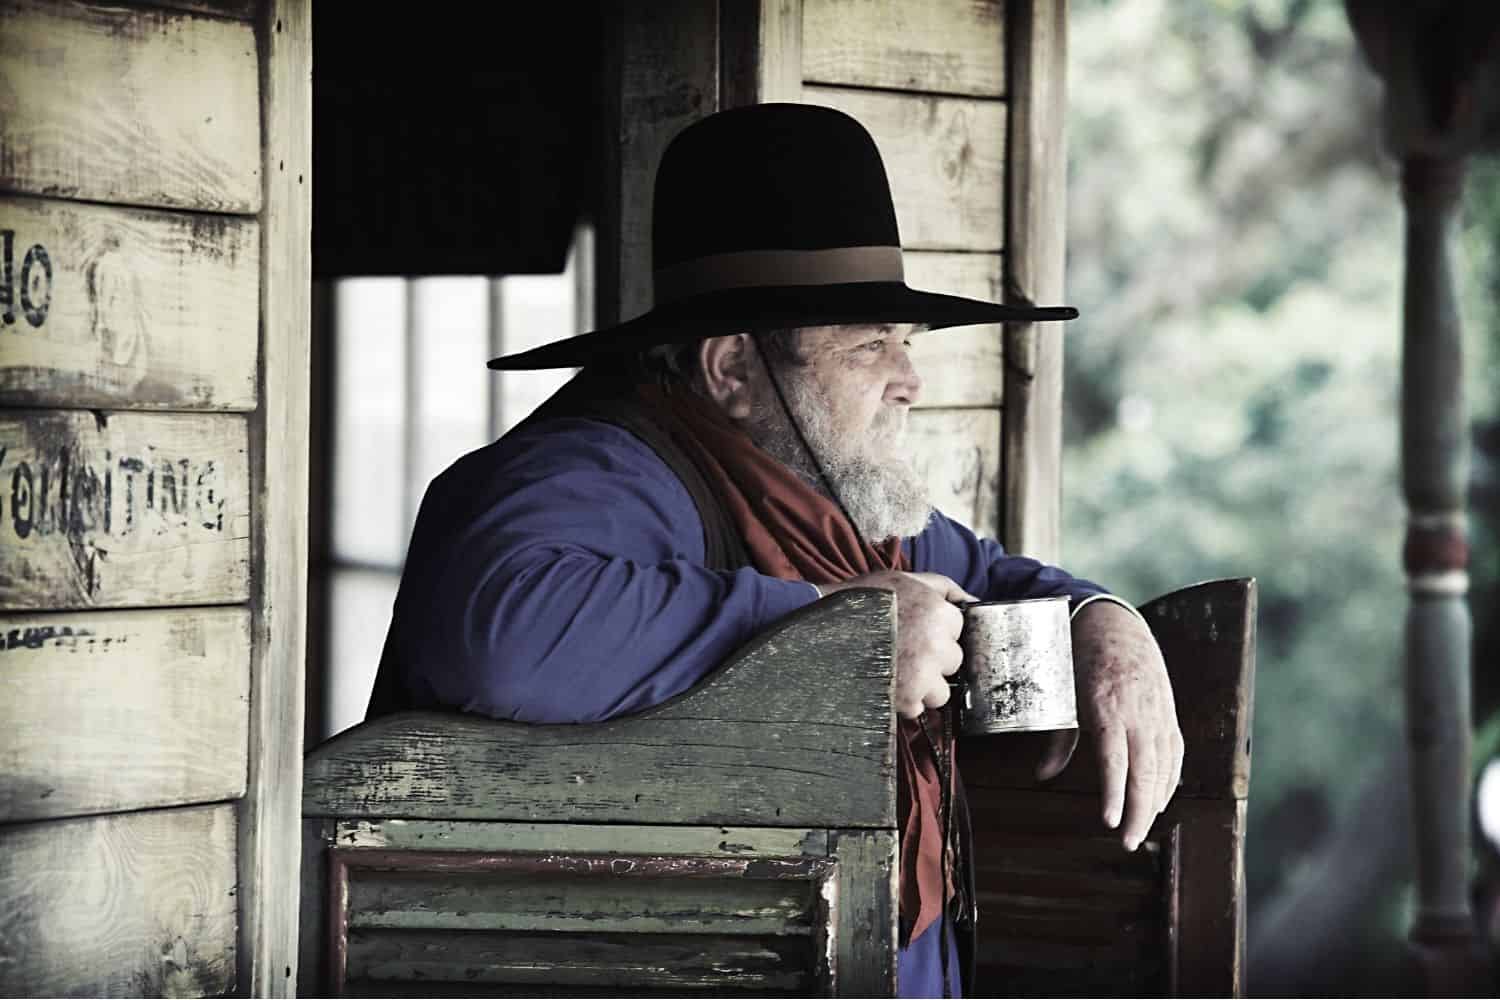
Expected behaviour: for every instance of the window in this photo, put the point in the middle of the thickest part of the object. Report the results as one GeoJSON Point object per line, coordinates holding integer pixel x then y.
{"type": "Point", "coordinates": [409, 394]}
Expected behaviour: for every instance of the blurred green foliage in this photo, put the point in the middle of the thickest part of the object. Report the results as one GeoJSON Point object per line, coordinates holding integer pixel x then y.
{"type": "Point", "coordinates": [1232, 386]}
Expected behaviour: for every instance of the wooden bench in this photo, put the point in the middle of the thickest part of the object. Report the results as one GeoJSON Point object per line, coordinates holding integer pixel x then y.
{"type": "Point", "coordinates": [740, 839]}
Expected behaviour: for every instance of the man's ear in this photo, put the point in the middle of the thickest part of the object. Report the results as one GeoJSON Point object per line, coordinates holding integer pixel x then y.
{"type": "Point", "coordinates": [724, 363]}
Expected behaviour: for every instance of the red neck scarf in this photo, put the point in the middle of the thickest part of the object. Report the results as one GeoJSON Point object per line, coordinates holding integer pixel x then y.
{"type": "Point", "coordinates": [793, 532]}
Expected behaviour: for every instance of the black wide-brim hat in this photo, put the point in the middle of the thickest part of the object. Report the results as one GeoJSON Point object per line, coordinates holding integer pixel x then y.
{"type": "Point", "coordinates": [769, 217]}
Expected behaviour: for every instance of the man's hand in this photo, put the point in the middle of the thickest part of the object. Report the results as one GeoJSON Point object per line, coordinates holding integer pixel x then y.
{"type": "Point", "coordinates": [928, 624]}
{"type": "Point", "coordinates": [1125, 701]}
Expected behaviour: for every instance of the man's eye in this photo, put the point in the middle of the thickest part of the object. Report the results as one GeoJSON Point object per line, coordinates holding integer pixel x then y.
{"type": "Point", "coordinates": [874, 346]}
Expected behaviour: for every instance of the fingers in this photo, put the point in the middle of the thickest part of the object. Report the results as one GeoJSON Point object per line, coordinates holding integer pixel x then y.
{"type": "Point", "coordinates": [1060, 746]}
{"type": "Point", "coordinates": [1163, 790]}
{"type": "Point", "coordinates": [1141, 792]}
{"type": "Point", "coordinates": [933, 694]}
{"type": "Point", "coordinates": [1113, 766]}
{"type": "Point", "coordinates": [945, 587]}
{"type": "Point", "coordinates": [1179, 750]}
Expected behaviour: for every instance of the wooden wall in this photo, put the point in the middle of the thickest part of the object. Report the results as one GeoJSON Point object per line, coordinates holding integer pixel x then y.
{"type": "Point", "coordinates": [931, 81]}
{"type": "Point", "coordinates": [144, 347]}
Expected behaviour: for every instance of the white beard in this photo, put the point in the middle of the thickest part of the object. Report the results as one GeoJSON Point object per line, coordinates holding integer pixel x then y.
{"type": "Point", "coordinates": [879, 488]}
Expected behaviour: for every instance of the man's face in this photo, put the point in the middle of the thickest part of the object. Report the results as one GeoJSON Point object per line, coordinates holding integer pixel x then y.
{"type": "Point", "coordinates": [850, 396]}
{"type": "Point", "coordinates": [865, 377]}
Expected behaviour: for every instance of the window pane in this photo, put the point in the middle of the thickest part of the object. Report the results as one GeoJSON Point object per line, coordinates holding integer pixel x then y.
{"type": "Point", "coordinates": [536, 309]}
{"type": "Point", "coordinates": [450, 383]}
{"type": "Point", "coordinates": [359, 612]}
{"type": "Point", "coordinates": [369, 403]}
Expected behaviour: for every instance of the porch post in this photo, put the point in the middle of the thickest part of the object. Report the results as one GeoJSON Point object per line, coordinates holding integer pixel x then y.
{"type": "Point", "coordinates": [1437, 60]}
{"type": "Point", "coordinates": [1434, 473]}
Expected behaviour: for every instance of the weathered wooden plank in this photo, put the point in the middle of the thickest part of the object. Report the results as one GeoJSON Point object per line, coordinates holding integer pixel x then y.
{"type": "Point", "coordinates": [524, 901]}
{"type": "Point", "coordinates": [760, 52]}
{"type": "Point", "coordinates": [945, 157]}
{"type": "Point", "coordinates": [941, 46]}
{"type": "Point", "coordinates": [312, 974]}
{"type": "Point", "coordinates": [865, 912]}
{"type": "Point", "coordinates": [619, 961]}
{"type": "Point", "coordinates": [958, 453]}
{"type": "Point", "coordinates": [270, 824]}
{"type": "Point", "coordinates": [109, 711]}
{"type": "Point", "coordinates": [129, 105]}
{"type": "Point", "coordinates": [582, 838]}
{"type": "Point", "coordinates": [130, 308]}
{"type": "Point", "coordinates": [1210, 933]}
{"type": "Point", "coordinates": [661, 74]}
{"type": "Point", "coordinates": [1037, 232]}
{"type": "Point", "coordinates": [139, 904]}
{"type": "Point", "coordinates": [964, 366]}
{"type": "Point", "coordinates": [243, 10]}
{"type": "Point", "coordinates": [123, 509]}
{"type": "Point", "coordinates": [794, 730]}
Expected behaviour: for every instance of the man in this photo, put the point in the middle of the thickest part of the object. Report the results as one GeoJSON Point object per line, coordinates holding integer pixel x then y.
{"type": "Point", "coordinates": [731, 456]}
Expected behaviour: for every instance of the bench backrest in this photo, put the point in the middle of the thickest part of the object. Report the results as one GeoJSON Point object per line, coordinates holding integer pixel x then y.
{"type": "Point", "coordinates": [740, 837]}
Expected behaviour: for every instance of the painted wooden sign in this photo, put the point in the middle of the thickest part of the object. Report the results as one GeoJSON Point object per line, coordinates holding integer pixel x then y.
{"type": "Point", "coordinates": [125, 307]}
{"type": "Point", "coordinates": [945, 157]}
{"type": "Point", "coordinates": [124, 509]}
{"type": "Point", "coordinates": [114, 710]}
{"type": "Point", "coordinates": [963, 366]}
{"type": "Point", "coordinates": [958, 453]}
{"type": "Point", "coordinates": [138, 106]}
{"type": "Point", "coordinates": [139, 904]}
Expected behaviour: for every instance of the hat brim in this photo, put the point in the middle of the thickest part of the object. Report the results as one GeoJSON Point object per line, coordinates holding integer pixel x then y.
{"type": "Point", "coordinates": [749, 310]}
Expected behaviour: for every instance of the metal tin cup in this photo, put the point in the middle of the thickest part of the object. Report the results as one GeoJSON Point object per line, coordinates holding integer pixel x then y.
{"type": "Point", "coordinates": [1018, 665]}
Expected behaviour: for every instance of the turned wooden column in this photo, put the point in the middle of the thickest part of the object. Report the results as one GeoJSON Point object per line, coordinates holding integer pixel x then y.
{"type": "Point", "coordinates": [1439, 63]}
{"type": "Point", "coordinates": [1434, 474]}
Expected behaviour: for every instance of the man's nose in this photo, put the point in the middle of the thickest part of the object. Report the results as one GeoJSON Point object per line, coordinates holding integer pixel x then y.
{"type": "Point", "coordinates": [905, 385]}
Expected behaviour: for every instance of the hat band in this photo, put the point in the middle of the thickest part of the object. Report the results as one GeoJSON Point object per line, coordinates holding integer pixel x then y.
{"type": "Point", "coordinates": [767, 268]}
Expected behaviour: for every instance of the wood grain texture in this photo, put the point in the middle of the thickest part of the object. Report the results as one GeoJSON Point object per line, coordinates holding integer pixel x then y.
{"type": "Point", "coordinates": [958, 454]}
{"type": "Point", "coordinates": [866, 912]}
{"type": "Point", "coordinates": [243, 10]}
{"type": "Point", "coordinates": [581, 838]}
{"type": "Point", "coordinates": [129, 105]}
{"type": "Point", "coordinates": [962, 366]}
{"type": "Point", "coordinates": [1207, 637]}
{"type": "Point", "coordinates": [661, 73]}
{"type": "Point", "coordinates": [109, 711]}
{"type": "Point", "coordinates": [940, 46]}
{"type": "Point", "coordinates": [794, 730]}
{"type": "Point", "coordinates": [1036, 230]}
{"type": "Point", "coordinates": [1063, 907]}
{"type": "Point", "coordinates": [312, 973]}
{"type": "Point", "coordinates": [1210, 955]}
{"type": "Point", "coordinates": [449, 901]}
{"type": "Point", "coordinates": [526, 902]}
{"type": "Point", "coordinates": [270, 820]}
{"type": "Point", "coordinates": [128, 509]}
{"type": "Point", "coordinates": [145, 309]}
{"type": "Point", "coordinates": [945, 157]}
{"type": "Point", "coordinates": [642, 964]}
{"type": "Point", "coordinates": [537, 840]}
{"type": "Point", "coordinates": [139, 904]}
{"type": "Point", "coordinates": [760, 52]}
